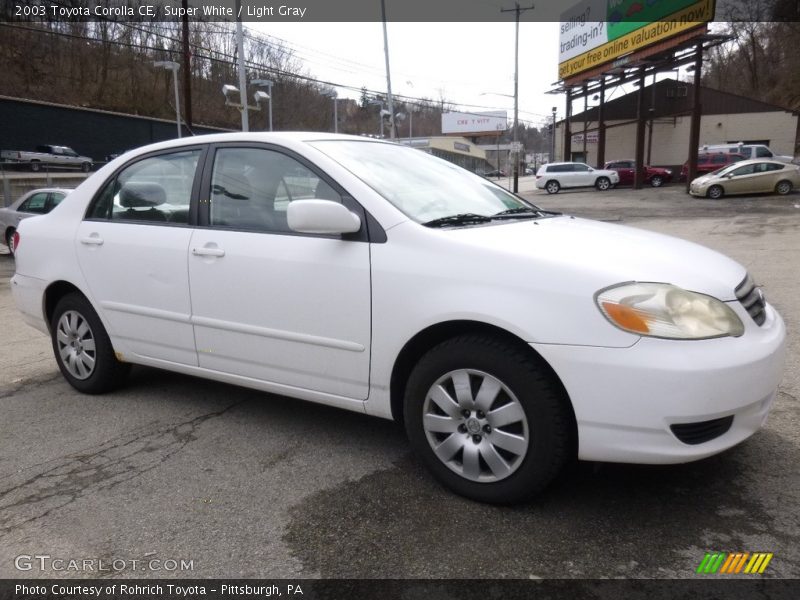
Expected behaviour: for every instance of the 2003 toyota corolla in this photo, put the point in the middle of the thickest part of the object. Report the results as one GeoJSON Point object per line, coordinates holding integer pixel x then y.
{"type": "Point", "coordinates": [370, 276]}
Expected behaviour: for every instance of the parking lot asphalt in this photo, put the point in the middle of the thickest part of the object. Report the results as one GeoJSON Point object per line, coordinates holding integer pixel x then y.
{"type": "Point", "coordinates": [247, 484]}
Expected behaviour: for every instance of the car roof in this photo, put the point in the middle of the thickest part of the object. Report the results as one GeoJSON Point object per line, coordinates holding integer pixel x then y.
{"type": "Point", "coordinates": [753, 161]}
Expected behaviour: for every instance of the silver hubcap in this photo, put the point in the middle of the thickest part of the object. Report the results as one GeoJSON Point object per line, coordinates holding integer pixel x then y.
{"type": "Point", "coordinates": [475, 425]}
{"type": "Point", "coordinates": [783, 188]}
{"type": "Point", "coordinates": [552, 188]}
{"type": "Point", "coordinates": [602, 184]}
{"type": "Point", "coordinates": [715, 193]}
{"type": "Point", "coordinates": [76, 344]}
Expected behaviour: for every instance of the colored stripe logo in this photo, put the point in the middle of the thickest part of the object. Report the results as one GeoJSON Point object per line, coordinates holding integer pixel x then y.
{"type": "Point", "coordinates": [734, 563]}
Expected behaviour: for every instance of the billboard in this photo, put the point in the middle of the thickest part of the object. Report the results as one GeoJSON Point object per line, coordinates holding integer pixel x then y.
{"type": "Point", "coordinates": [595, 32]}
{"type": "Point", "coordinates": [474, 123]}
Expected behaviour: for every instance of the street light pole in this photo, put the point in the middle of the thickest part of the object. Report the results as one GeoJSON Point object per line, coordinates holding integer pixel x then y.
{"type": "Point", "coordinates": [553, 138]}
{"type": "Point", "coordinates": [242, 72]}
{"type": "Point", "coordinates": [173, 66]}
{"type": "Point", "coordinates": [388, 75]}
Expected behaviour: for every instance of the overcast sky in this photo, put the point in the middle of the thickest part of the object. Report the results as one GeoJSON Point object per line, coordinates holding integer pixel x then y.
{"type": "Point", "coordinates": [466, 63]}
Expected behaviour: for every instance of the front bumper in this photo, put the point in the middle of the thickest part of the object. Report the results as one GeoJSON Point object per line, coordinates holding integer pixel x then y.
{"type": "Point", "coordinates": [626, 399]}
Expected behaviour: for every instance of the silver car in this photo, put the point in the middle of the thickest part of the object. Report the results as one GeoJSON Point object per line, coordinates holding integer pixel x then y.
{"type": "Point", "coordinates": [36, 202]}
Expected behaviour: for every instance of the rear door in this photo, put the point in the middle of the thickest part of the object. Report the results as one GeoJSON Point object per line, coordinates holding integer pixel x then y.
{"type": "Point", "coordinates": [132, 247]}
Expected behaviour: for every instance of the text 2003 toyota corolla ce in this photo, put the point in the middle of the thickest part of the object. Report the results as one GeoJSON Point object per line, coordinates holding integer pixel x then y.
{"type": "Point", "coordinates": [370, 276]}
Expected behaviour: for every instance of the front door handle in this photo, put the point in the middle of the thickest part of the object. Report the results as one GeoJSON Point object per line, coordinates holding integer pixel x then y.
{"type": "Point", "coordinates": [208, 252]}
{"type": "Point", "coordinates": [93, 240]}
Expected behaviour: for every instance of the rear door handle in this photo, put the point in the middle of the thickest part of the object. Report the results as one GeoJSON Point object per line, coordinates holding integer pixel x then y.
{"type": "Point", "coordinates": [92, 241]}
{"type": "Point", "coordinates": [208, 252]}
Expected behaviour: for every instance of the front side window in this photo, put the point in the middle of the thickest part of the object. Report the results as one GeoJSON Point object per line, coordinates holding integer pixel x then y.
{"type": "Point", "coordinates": [251, 189]}
{"type": "Point", "coordinates": [745, 170]}
{"type": "Point", "coordinates": [580, 167]}
{"type": "Point", "coordinates": [719, 159]}
{"type": "Point", "coordinates": [763, 152]}
{"type": "Point", "coordinates": [152, 190]}
{"type": "Point", "coordinates": [35, 204]}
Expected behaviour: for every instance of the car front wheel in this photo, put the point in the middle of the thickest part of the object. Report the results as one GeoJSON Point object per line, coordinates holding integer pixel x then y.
{"type": "Point", "coordinates": [487, 420]}
{"type": "Point", "coordinates": [552, 187]}
{"type": "Point", "coordinates": [656, 181]}
{"type": "Point", "coordinates": [603, 183]}
{"type": "Point", "coordinates": [715, 192]}
{"type": "Point", "coordinates": [82, 348]}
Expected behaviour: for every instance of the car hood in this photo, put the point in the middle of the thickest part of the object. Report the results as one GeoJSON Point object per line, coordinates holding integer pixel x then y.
{"type": "Point", "coordinates": [593, 255]}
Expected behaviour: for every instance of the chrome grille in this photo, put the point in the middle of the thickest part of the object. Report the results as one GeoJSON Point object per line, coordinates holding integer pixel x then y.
{"type": "Point", "coordinates": [752, 298]}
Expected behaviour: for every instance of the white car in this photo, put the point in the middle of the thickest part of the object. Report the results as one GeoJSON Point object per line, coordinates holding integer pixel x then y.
{"type": "Point", "coordinates": [36, 202]}
{"type": "Point", "coordinates": [554, 176]}
{"type": "Point", "coordinates": [374, 277]}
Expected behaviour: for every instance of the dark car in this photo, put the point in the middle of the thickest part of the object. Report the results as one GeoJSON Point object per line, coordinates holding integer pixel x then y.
{"type": "Point", "coordinates": [495, 173]}
{"type": "Point", "coordinates": [707, 162]}
{"type": "Point", "coordinates": [626, 168]}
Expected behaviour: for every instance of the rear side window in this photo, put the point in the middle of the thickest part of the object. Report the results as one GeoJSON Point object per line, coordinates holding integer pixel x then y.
{"type": "Point", "coordinates": [719, 159]}
{"type": "Point", "coordinates": [35, 204]}
{"type": "Point", "coordinates": [152, 190]}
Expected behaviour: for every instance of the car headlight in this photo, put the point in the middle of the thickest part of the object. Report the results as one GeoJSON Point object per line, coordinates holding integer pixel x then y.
{"type": "Point", "coordinates": [668, 171]}
{"type": "Point", "coordinates": [667, 311]}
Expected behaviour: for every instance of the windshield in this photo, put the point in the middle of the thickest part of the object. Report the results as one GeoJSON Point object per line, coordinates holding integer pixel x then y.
{"type": "Point", "coordinates": [423, 187]}
{"type": "Point", "coordinates": [724, 170]}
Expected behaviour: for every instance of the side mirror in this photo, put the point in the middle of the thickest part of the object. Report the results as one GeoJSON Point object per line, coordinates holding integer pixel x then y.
{"type": "Point", "coordinates": [321, 216]}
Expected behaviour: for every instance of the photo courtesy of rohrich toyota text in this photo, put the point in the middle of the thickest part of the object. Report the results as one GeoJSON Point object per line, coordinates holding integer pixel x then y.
{"type": "Point", "coordinates": [399, 299]}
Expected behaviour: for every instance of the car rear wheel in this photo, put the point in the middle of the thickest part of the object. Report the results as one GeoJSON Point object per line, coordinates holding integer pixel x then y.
{"type": "Point", "coordinates": [82, 348]}
{"type": "Point", "coordinates": [487, 420]}
{"type": "Point", "coordinates": [783, 187]}
{"type": "Point", "coordinates": [602, 183]}
{"type": "Point", "coordinates": [715, 192]}
{"type": "Point", "coordinates": [35, 166]}
{"type": "Point", "coordinates": [10, 241]}
{"type": "Point", "coordinates": [656, 181]}
{"type": "Point", "coordinates": [552, 187]}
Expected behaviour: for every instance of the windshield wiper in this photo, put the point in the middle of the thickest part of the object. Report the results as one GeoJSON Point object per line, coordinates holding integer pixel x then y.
{"type": "Point", "coordinates": [460, 219]}
{"type": "Point", "coordinates": [523, 211]}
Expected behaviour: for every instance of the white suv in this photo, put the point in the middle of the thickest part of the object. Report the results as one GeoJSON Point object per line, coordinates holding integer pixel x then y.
{"type": "Point", "coordinates": [554, 176]}
{"type": "Point", "coordinates": [376, 278]}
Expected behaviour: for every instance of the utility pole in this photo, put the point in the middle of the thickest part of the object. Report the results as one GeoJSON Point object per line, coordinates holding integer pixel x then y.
{"type": "Point", "coordinates": [187, 72]}
{"type": "Point", "coordinates": [553, 139]}
{"type": "Point", "coordinates": [388, 74]}
{"type": "Point", "coordinates": [517, 10]}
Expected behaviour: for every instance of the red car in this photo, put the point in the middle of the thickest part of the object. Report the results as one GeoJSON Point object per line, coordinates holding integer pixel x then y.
{"type": "Point", "coordinates": [711, 162]}
{"type": "Point", "coordinates": [655, 176]}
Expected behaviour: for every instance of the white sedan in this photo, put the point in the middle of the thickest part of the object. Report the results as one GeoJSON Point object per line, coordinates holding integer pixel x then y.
{"type": "Point", "coordinates": [374, 277]}
{"type": "Point", "coordinates": [36, 202]}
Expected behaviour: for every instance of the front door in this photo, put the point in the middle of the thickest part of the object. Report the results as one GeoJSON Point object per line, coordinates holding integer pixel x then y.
{"type": "Point", "coordinates": [268, 303]}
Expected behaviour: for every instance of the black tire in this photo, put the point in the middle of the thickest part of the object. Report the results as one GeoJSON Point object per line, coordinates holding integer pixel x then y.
{"type": "Point", "coordinates": [552, 186]}
{"type": "Point", "coordinates": [715, 192]}
{"type": "Point", "coordinates": [85, 167]}
{"type": "Point", "coordinates": [656, 181]}
{"type": "Point", "coordinates": [35, 166]}
{"type": "Point", "coordinates": [603, 184]}
{"type": "Point", "coordinates": [107, 373]}
{"type": "Point", "coordinates": [784, 187]}
{"type": "Point", "coordinates": [10, 241]}
{"type": "Point", "coordinates": [547, 420]}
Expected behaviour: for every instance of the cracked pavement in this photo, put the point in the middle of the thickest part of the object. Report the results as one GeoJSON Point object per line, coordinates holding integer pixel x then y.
{"type": "Point", "coordinates": [248, 484]}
